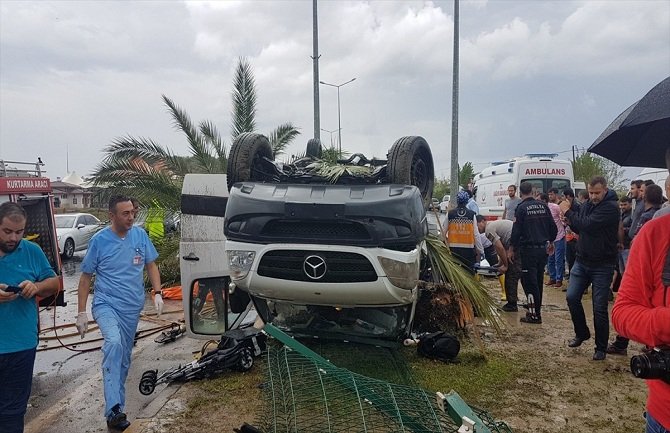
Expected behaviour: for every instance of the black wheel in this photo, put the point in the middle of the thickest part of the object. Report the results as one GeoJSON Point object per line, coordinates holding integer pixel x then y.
{"type": "Point", "coordinates": [246, 160]}
{"type": "Point", "coordinates": [314, 149]}
{"type": "Point", "coordinates": [410, 162]}
{"type": "Point", "coordinates": [68, 249]}
{"type": "Point", "coordinates": [246, 360]}
{"type": "Point", "coordinates": [148, 382]}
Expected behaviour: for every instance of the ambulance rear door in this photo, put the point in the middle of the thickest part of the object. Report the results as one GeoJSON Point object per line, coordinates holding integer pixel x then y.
{"type": "Point", "coordinates": [546, 174]}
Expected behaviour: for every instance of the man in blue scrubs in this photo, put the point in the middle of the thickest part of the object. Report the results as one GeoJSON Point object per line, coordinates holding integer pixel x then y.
{"type": "Point", "coordinates": [24, 265]}
{"type": "Point", "coordinates": [117, 255]}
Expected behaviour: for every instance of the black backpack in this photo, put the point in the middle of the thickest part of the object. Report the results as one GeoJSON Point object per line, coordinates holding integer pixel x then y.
{"type": "Point", "coordinates": [438, 345]}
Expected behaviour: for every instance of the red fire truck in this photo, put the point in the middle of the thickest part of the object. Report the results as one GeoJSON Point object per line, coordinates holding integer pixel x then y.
{"type": "Point", "coordinates": [24, 183]}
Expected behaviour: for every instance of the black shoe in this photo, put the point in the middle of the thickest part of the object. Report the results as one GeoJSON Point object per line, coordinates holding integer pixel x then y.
{"type": "Point", "coordinates": [613, 349]}
{"type": "Point", "coordinates": [117, 420]}
{"type": "Point", "coordinates": [599, 355]}
{"type": "Point", "coordinates": [510, 308]}
{"type": "Point", "coordinates": [576, 342]}
{"type": "Point", "coordinates": [531, 319]}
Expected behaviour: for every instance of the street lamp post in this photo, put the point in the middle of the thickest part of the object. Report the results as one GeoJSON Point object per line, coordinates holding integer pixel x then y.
{"type": "Point", "coordinates": [331, 135]}
{"type": "Point", "coordinates": [339, 124]}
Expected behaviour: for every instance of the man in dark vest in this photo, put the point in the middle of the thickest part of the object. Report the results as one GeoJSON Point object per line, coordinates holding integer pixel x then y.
{"type": "Point", "coordinates": [533, 234]}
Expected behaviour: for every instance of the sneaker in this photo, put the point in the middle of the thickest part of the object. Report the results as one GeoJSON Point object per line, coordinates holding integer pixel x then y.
{"type": "Point", "coordinates": [550, 283]}
{"type": "Point", "coordinates": [559, 284]}
{"type": "Point", "coordinates": [531, 319]}
{"type": "Point", "coordinates": [599, 355]}
{"type": "Point", "coordinates": [613, 349]}
{"type": "Point", "coordinates": [117, 420]}
{"type": "Point", "coordinates": [510, 308]}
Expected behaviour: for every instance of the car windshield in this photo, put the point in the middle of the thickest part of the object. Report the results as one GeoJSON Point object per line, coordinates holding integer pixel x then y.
{"type": "Point", "coordinates": [544, 185]}
{"type": "Point", "coordinates": [64, 222]}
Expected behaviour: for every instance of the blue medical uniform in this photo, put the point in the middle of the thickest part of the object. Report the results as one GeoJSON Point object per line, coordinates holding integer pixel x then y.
{"type": "Point", "coordinates": [18, 332]}
{"type": "Point", "coordinates": [118, 264]}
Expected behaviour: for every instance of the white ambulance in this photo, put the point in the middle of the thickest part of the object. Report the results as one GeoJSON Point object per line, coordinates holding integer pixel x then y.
{"type": "Point", "coordinates": [658, 175]}
{"type": "Point", "coordinates": [544, 171]}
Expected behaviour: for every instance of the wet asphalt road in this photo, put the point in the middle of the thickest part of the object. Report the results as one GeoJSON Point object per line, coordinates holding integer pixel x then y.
{"type": "Point", "coordinates": [67, 391]}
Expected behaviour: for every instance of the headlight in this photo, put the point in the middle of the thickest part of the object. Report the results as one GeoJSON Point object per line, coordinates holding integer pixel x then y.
{"type": "Point", "coordinates": [401, 274]}
{"type": "Point", "coordinates": [240, 263]}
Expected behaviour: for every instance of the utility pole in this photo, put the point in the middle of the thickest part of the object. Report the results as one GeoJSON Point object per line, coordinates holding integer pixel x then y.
{"type": "Point", "coordinates": [453, 179]}
{"type": "Point", "coordinates": [315, 63]}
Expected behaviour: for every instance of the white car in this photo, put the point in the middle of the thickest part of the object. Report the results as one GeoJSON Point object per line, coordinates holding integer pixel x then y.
{"type": "Point", "coordinates": [444, 204]}
{"type": "Point", "coordinates": [74, 231]}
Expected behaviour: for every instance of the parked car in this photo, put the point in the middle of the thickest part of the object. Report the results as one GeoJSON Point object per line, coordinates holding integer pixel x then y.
{"type": "Point", "coordinates": [444, 204]}
{"type": "Point", "coordinates": [74, 231]}
{"type": "Point", "coordinates": [434, 205]}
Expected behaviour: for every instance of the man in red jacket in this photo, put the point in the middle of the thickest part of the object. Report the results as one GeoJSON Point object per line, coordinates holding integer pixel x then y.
{"type": "Point", "coordinates": [642, 308]}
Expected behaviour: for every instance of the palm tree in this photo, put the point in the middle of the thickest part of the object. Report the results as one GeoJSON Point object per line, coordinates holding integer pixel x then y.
{"type": "Point", "coordinates": [152, 173]}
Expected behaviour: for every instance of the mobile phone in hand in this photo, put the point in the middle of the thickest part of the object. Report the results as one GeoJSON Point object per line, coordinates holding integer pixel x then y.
{"type": "Point", "coordinates": [12, 289]}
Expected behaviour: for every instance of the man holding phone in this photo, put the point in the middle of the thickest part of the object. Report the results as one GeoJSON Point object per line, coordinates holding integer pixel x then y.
{"type": "Point", "coordinates": [25, 273]}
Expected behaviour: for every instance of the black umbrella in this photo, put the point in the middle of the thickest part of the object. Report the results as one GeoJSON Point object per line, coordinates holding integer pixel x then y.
{"type": "Point", "coordinates": [640, 136]}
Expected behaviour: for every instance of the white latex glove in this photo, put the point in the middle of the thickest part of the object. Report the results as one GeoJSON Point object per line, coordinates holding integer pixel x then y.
{"type": "Point", "coordinates": [158, 303]}
{"type": "Point", "coordinates": [82, 323]}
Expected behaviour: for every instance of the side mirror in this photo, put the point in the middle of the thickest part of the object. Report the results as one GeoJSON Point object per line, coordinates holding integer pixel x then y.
{"type": "Point", "coordinates": [80, 226]}
{"type": "Point", "coordinates": [213, 310]}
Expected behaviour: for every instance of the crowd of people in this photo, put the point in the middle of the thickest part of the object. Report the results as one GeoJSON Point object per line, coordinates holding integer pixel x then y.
{"type": "Point", "coordinates": [599, 236]}
{"type": "Point", "coordinates": [542, 232]}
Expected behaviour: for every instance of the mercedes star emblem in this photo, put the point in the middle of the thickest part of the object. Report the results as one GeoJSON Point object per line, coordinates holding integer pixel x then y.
{"type": "Point", "coordinates": [314, 267]}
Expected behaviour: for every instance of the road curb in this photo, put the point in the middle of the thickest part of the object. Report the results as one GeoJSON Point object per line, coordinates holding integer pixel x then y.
{"type": "Point", "coordinates": [152, 410]}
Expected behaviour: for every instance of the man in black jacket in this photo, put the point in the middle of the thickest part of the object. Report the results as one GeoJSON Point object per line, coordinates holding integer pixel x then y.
{"type": "Point", "coordinates": [533, 235]}
{"type": "Point", "coordinates": [597, 224]}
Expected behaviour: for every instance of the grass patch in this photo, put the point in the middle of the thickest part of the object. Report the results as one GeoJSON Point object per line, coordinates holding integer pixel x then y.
{"type": "Point", "coordinates": [232, 394]}
{"type": "Point", "coordinates": [480, 381]}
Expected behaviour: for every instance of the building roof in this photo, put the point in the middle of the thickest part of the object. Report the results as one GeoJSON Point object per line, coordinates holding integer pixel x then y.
{"type": "Point", "coordinates": [65, 187]}
{"type": "Point", "coordinates": [73, 178]}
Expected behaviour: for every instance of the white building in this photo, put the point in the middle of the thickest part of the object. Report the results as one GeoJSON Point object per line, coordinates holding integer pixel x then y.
{"type": "Point", "coordinates": [71, 192]}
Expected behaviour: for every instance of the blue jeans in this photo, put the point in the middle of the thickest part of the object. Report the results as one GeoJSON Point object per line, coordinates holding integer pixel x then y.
{"type": "Point", "coordinates": [654, 426]}
{"type": "Point", "coordinates": [118, 331]}
{"type": "Point", "coordinates": [556, 262]}
{"type": "Point", "coordinates": [16, 379]}
{"type": "Point", "coordinates": [600, 278]}
{"type": "Point", "coordinates": [623, 260]}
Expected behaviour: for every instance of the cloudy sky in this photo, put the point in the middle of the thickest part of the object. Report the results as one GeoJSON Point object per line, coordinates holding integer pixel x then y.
{"type": "Point", "coordinates": [535, 76]}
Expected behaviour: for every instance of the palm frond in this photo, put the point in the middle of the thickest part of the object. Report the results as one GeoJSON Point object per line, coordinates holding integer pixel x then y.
{"type": "Point", "coordinates": [244, 99]}
{"type": "Point", "coordinates": [282, 136]}
{"type": "Point", "coordinates": [447, 269]}
{"type": "Point", "coordinates": [140, 180]}
{"type": "Point", "coordinates": [167, 261]}
{"type": "Point", "coordinates": [129, 147]}
{"type": "Point", "coordinates": [211, 134]}
{"type": "Point", "coordinates": [200, 148]}
{"type": "Point", "coordinates": [333, 172]}
{"type": "Point", "coordinates": [331, 154]}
